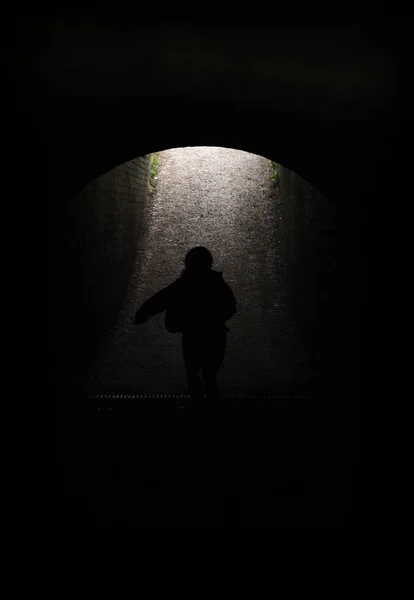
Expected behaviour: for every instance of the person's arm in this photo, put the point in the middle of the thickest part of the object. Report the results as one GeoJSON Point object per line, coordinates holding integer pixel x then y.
{"type": "Point", "coordinates": [154, 305]}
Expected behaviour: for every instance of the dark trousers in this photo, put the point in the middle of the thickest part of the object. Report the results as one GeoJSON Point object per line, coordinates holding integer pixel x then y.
{"type": "Point", "coordinates": [204, 351]}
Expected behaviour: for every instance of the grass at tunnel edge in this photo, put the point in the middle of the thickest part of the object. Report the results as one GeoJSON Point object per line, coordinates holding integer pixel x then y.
{"type": "Point", "coordinates": [274, 176]}
{"type": "Point", "coordinates": [154, 166]}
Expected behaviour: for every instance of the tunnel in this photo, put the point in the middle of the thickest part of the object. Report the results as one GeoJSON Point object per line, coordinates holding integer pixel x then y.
{"type": "Point", "coordinates": [95, 103]}
{"type": "Point", "coordinates": [106, 222]}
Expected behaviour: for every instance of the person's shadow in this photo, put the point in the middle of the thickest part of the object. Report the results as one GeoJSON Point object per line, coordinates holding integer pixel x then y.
{"type": "Point", "coordinates": [198, 305]}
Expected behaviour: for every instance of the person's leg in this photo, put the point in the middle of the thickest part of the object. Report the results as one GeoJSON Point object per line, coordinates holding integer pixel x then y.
{"type": "Point", "coordinates": [215, 349]}
{"type": "Point", "coordinates": [192, 362]}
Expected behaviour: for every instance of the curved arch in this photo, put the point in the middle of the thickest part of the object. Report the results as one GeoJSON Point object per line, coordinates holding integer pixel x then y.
{"type": "Point", "coordinates": [110, 154]}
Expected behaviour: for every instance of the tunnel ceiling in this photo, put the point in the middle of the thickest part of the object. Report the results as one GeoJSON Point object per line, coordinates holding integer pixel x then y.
{"type": "Point", "coordinates": [304, 97]}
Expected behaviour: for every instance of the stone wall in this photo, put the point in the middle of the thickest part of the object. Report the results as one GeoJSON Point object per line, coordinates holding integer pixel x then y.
{"type": "Point", "coordinates": [312, 244]}
{"type": "Point", "coordinates": [97, 241]}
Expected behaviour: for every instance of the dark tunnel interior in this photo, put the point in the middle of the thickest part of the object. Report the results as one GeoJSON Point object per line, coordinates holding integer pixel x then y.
{"type": "Point", "coordinates": [95, 99]}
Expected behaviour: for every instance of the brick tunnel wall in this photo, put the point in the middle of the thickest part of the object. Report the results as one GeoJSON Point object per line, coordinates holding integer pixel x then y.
{"type": "Point", "coordinates": [313, 264]}
{"type": "Point", "coordinates": [101, 228]}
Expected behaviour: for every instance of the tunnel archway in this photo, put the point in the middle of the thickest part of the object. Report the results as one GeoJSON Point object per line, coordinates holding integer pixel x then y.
{"type": "Point", "coordinates": [290, 145]}
{"type": "Point", "coordinates": [267, 438]}
{"type": "Point", "coordinates": [308, 216]}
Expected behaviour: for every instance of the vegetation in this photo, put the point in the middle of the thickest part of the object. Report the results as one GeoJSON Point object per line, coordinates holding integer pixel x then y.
{"type": "Point", "coordinates": [274, 176]}
{"type": "Point", "coordinates": [153, 176]}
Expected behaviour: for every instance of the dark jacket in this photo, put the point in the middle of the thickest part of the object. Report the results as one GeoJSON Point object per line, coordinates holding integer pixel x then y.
{"type": "Point", "coordinates": [196, 302]}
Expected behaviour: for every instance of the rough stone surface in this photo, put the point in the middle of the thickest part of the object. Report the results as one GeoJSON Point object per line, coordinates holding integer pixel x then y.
{"type": "Point", "coordinates": [312, 249]}
{"type": "Point", "coordinates": [94, 257]}
{"type": "Point", "coordinates": [223, 199]}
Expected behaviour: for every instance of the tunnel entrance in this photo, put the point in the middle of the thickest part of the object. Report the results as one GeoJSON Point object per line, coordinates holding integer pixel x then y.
{"type": "Point", "coordinates": [86, 114]}
{"type": "Point", "coordinates": [229, 201]}
{"type": "Point", "coordinates": [259, 221]}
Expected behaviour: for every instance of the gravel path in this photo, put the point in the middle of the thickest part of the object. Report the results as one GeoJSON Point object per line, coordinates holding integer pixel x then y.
{"type": "Point", "coordinates": [223, 199]}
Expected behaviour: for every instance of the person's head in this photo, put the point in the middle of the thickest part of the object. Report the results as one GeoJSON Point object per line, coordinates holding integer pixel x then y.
{"type": "Point", "coordinates": [198, 259]}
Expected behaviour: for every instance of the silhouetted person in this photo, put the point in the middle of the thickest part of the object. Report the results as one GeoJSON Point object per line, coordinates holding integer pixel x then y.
{"type": "Point", "coordinates": [198, 304]}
